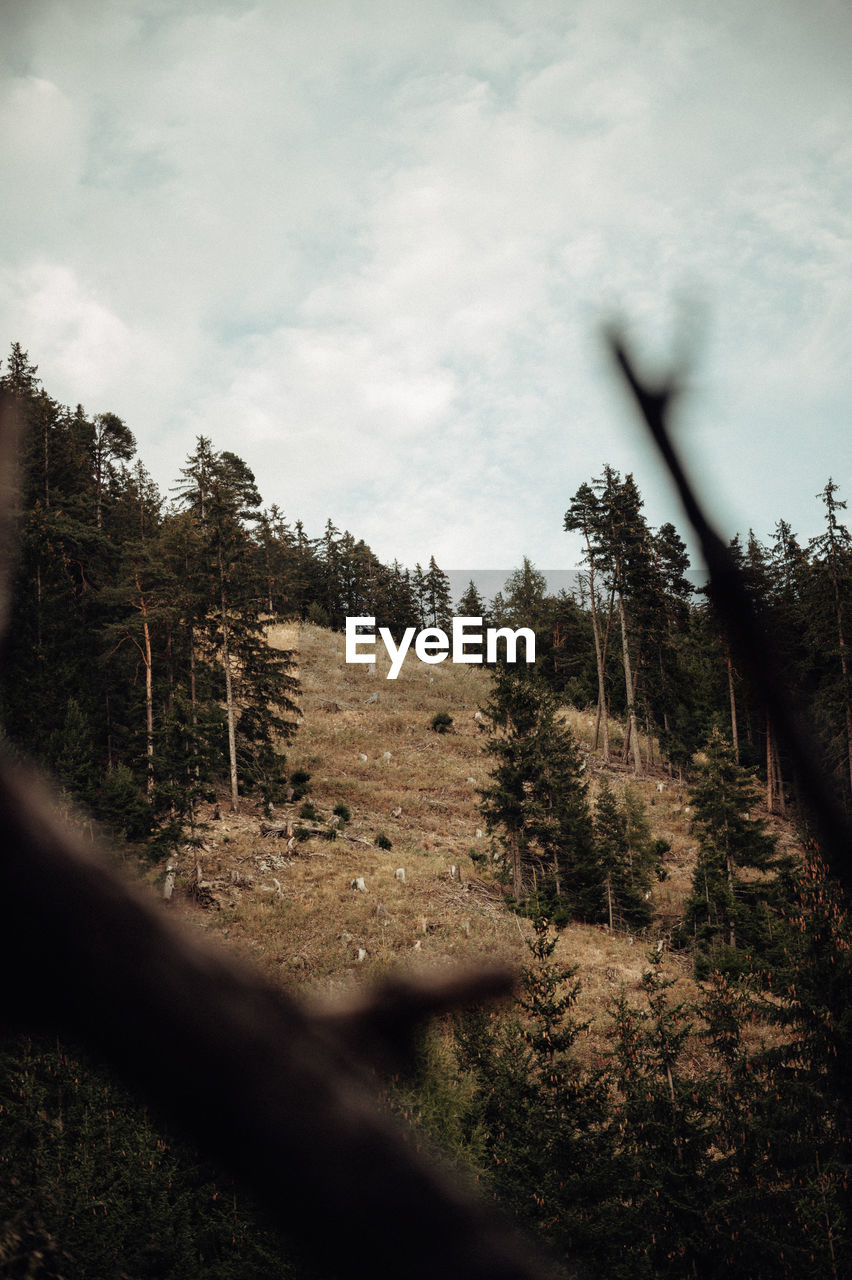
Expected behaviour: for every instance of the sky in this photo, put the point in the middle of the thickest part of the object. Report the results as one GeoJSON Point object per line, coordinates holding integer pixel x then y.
{"type": "Point", "coordinates": [370, 247]}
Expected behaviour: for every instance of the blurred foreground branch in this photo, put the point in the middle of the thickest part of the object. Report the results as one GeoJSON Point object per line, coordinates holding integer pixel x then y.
{"type": "Point", "coordinates": [274, 1090]}
{"type": "Point", "coordinates": [751, 641]}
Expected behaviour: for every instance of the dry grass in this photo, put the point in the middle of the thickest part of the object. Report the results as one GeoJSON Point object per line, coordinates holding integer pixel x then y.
{"type": "Point", "coordinates": [367, 743]}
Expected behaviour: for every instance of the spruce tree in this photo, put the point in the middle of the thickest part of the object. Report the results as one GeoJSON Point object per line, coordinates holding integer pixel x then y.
{"type": "Point", "coordinates": [439, 605]}
{"type": "Point", "coordinates": [584, 517]}
{"type": "Point", "coordinates": [722, 912]}
{"type": "Point", "coordinates": [536, 1111]}
{"type": "Point", "coordinates": [537, 798]}
{"type": "Point", "coordinates": [471, 604]}
{"type": "Point", "coordinates": [622, 884]}
{"type": "Point", "coordinates": [221, 491]}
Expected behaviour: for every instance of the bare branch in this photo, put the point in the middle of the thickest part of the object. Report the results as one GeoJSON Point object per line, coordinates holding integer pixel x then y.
{"type": "Point", "coordinates": [751, 641]}
{"type": "Point", "coordinates": [261, 1083]}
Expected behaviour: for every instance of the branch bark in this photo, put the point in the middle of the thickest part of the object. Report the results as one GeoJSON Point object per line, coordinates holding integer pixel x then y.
{"type": "Point", "coordinates": [283, 1099]}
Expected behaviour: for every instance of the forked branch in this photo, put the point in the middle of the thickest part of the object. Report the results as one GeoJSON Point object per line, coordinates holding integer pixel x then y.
{"type": "Point", "coordinates": [751, 640]}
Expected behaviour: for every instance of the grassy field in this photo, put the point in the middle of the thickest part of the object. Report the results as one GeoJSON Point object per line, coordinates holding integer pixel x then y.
{"type": "Point", "coordinates": [367, 743]}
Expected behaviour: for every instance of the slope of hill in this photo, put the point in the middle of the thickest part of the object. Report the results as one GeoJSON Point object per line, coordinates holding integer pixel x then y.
{"type": "Point", "coordinates": [368, 744]}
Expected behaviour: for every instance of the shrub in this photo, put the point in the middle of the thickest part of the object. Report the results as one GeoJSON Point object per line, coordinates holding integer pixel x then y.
{"type": "Point", "coordinates": [383, 842]}
{"type": "Point", "coordinates": [441, 722]}
{"type": "Point", "coordinates": [300, 781]}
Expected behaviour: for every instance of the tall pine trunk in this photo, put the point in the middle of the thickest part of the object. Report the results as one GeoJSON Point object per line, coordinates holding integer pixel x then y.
{"type": "Point", "coordinates": [517, 870]}
{"type": "Point", "coordinates": [602, 720]}
{"type": "Point", "coordinates": [147, 659]}
{"type": "Point", "coordinates": [732, 695]}
{"type": "Point", "coordinates": [628, 689]}
{"type": "Point", "coordinates": [229, 692]}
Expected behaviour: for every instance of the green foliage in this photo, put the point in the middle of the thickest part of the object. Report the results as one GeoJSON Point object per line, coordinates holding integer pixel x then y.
{"type": "Point", "coordinates": [536, 798]}
{"type": "Point", "coordinates": [300, 781]}
{"type": "Point", "coordinates": [71, 754]}
{"type": "Point", "coordinates": [535, 1111]}
{"type": "Point", "coordinates": [441, 722]}
{"type": "Point", "coordinates": [342, 812]}
{"type": "Point", "coordinates": [620, 843]}
{"type": "Point", "coordinates": [121, 806]}
{"type": "Point", "coordinates": [471, 604]}
{"type": "Point", "coordinates": [730, 919]}
{"type": "Point", "coordinates": [382, 841]}
{"type": "Point", "coordinates": [91, 1187]}
{"type": "Point", "coordinates": [655, 1162]}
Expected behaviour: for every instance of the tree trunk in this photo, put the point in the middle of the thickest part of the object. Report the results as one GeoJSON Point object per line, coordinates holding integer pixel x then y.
{"type": "Point", "coordinates": [149, 689]}
{"type": "Point", "coordinates": [229, 693]}
{"type": "Point", "coordinates": [628, 688]}
{"type": "Point", "coordinates": [517, 870]}
{"type": "Point", "coordinates": [729, 866]}
{"type": "Point", "coordinates": [193, 701]}
{"type": "Point", "coordinates": [734, 735]}
{"type": "Point", "coordinates": [599, 659]}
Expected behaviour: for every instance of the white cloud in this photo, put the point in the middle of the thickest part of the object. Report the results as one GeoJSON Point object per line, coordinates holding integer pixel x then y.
{"type": "Point", "coordinates": [368, 247]}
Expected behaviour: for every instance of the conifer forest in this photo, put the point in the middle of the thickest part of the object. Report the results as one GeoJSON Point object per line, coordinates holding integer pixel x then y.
{"type": "Point", "coordinates": [627, 798]}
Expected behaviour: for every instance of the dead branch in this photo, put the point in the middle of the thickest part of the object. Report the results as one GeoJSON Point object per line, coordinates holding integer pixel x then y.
{"type": "Point", "coordinates": [265, 1085]}
{"type": "Point", "coordinates": [750, 639]}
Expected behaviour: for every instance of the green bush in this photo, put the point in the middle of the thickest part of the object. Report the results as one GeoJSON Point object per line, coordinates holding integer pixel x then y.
{"type": "Point", "coordinates": [91, 1187]}
{"type": "Point", "coordinates": [441, 722]}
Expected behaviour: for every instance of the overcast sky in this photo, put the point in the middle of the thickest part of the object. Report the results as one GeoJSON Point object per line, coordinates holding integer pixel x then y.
{"type": "Point", "coordinates": [369, 248]}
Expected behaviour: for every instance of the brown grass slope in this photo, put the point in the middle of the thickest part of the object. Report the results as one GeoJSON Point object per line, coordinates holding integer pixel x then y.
{"type": "Point", "coordinates": [367, 743]}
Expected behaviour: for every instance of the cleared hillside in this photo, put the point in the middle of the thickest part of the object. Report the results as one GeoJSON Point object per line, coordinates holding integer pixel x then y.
{"type": "Point", "coordinates": [368, 744]}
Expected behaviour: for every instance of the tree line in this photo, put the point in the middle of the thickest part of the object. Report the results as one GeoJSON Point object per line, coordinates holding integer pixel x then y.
{"type": "Point", "coordinates": [640, 643]}
{"type": "Point", "coordinates": [137, 667]}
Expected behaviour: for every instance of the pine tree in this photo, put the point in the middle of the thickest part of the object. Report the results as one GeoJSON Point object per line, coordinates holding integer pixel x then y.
{"type": "Point", "coordinates": [661, 1164]}
{"type": "Point", "coordinates": [471, 604]}
{"type": "Point", "coordinates": [722, 911]}
{"type": "Point", "coordinates": [221, 491]}
{"type": "Point", "coordinates": [112, 441]}
{"type": "Point", "coordinates": [537, 797]}
{"type": "Point", "coordinates": [439, 605]}
{"type": "Point", "coordinates": [584, 517]}
{"type": "Point", "coordinates": [536, 1111]}
{"type": "Point", "coordinates": [623, 885]}
{"type": "Point", "coordinates": [830, 592]}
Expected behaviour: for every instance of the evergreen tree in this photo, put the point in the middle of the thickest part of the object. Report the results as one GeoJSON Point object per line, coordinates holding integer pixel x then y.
{"type": "Point", "coordinates": [471, 604]}
{"type": "Point", "coordinates": [220, 489]}
{"type": "Point", "coordinates": [537, 798]}
{"type": "Point", "coordinates": [112, 441]}
{"type": "Point", "coordinates": [660, 1135]}
{"type": "Point", "coordinates": [829, 595]}
{"type": "Point", "coordinates": [623, 885]}
{"type": "Point", "coordinates": [536, 1111]}
{"type": "Point", "coordinates": [523, 598]}
{"type": "Point", "coordinates": [723, 910]}
{"type": "Point", "coordinates": [584, 517]}
{"type": "Point", "coordinates": [439, 605]}
{"type": "Point", "coordinates": [20, 376]}
{"type": "Point", "coordinates": [421, 596]}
